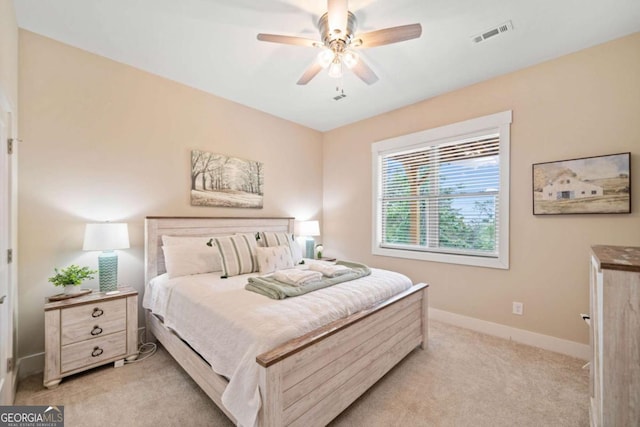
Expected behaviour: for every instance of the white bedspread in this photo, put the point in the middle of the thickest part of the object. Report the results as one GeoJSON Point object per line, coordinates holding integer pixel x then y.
{"type": "Point", "coordinates": [229, 326]}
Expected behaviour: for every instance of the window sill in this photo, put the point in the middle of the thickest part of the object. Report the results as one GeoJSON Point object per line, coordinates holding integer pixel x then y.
{"type": "Point", "coordinates": [476, 261]}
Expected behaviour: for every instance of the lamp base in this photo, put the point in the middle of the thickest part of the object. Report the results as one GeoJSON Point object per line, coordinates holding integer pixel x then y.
{"type": "Point", "coordinates": [108, 271]}
{"type": "Point", "coordinates": [310, 243]}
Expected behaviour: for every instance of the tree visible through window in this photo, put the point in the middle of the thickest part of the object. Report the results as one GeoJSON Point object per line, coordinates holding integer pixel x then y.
{"type": "Point", "coordinates": [443, 196]}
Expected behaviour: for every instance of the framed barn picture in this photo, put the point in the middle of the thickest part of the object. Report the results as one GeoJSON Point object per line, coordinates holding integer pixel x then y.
{"type": "Point", "coordinates": [587, 185]}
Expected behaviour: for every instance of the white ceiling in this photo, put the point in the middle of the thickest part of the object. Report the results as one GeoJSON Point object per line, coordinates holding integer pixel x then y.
{"type": "Point", "coordinates": [211, 45]}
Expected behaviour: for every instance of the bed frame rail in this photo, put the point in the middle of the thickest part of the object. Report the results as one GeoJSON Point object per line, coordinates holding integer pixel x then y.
{"type": "Point", "coordinates": [194, 365]}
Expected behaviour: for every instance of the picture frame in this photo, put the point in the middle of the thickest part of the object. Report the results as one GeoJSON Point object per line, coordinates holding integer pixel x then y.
{"type": "Point", "coordinates": [218, 180]}
{"type": "Point", "coordinates": [587, 185]}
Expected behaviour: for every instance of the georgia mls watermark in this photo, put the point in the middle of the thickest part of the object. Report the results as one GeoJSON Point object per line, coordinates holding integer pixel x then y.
{"type": "Point", "coordinates": [31, 416]}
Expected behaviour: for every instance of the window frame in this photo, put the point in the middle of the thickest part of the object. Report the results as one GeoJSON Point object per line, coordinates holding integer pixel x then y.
{"type": "Point", "coordinates": [497, 123]}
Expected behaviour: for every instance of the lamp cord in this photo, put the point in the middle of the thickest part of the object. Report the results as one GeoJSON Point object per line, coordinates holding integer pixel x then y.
{"type": "Point", "coordinates": [145, 350]}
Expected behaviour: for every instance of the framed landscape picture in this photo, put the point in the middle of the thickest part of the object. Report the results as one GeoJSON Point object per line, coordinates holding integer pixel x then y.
{"type": "Point", "coordinates": [219, 180]}
{"type": "Point", "coordinates": [599, 184]}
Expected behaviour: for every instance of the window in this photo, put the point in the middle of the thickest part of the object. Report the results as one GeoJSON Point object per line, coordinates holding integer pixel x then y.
{"type": "Point", "coordinates": [443, 194]}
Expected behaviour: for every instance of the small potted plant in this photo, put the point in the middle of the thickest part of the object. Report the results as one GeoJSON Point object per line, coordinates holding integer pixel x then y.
{"type": "Point", "coordinates": [71, 278]}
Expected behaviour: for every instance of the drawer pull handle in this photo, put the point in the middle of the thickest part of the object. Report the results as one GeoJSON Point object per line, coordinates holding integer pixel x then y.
{"type": "Point", "coordinates": [97, 351]}
{"type": "Point", "coordinates": [97, 312]}
{"type": "Point", "coordinates": [97, 330]}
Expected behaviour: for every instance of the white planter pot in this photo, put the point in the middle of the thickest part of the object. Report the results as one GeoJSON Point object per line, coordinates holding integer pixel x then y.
{"type": "Point", "coordinates": [71, 289]}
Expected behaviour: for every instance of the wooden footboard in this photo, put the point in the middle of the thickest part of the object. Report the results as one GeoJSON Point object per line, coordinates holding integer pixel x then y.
{"type": "Point", "coordinates": [310, 380]}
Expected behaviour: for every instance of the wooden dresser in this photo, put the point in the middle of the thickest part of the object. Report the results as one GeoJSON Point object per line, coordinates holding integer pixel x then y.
{"type": "Point", "coordinates": [88, 331]}
{"type": "Point", "coordinates": [615, 336]}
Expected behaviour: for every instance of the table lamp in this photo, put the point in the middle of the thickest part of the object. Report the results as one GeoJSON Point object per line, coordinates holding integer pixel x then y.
{"type": "Point", "coordinates": [107, 237]}
{"type": "Point", "coordinates": [308, 229]}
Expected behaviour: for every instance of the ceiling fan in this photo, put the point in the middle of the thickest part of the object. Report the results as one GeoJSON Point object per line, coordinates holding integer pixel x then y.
{"type": "Point", "coordinates": [338, 41]}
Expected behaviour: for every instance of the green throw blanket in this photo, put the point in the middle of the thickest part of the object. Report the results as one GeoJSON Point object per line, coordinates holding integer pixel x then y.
{"type": "Point", "coordinates": [274, 289]}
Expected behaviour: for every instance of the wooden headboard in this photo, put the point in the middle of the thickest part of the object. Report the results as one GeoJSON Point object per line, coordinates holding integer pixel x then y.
{"type": "Point", "coordinates": [157, 226]}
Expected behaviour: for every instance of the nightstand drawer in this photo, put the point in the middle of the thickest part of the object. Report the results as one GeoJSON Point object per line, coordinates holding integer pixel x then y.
{"type": "Point", "coordinates": [87, 353]}
{"type": "Point", "coordinates": [93, 320]}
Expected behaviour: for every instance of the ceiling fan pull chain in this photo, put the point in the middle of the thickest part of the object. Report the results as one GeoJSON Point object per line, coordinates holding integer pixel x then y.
{"type": "Point", "coordinates": [340, 90]}
{"type": "Point", "coordinates": [340, 85]}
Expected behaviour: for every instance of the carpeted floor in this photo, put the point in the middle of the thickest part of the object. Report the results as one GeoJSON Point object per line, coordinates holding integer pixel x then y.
{"type": "Point", "coordinates": [463, 379]}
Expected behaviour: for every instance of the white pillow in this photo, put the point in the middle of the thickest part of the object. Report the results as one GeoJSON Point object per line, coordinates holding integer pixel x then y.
{"type": "Point", "coordinates": [237, 254]}
{"type": "Point", "coordinates": [296, 251]}
{"type": "Point", "coordinates": [274, 258]}
{"type": "Point", "coordinates": [270, 238]}
{"type": "Point", "coordinates": [191, 258]}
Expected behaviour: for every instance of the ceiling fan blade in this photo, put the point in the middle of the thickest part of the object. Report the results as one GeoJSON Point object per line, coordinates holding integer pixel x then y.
{"type": "Point", "coordinates": [298, 41]}
{"type": "Point", "coordinates": [337, 11]}
{"type": "Point", "coordinates": [362, 70]}
{"type": "Point", "coordinates": [390, 35]}
{"type": "Point", "coordinates": [310, 73]}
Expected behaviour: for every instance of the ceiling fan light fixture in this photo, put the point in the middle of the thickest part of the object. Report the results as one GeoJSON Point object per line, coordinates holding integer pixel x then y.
{"type": "Point", "coordinates": [335, 69]}
{"type": "Point", "coordinates": [338, 39]}
{"type": "Point", "coordinates": [350, 59]}
{"type": "Point", "coordinates": [326, 57]}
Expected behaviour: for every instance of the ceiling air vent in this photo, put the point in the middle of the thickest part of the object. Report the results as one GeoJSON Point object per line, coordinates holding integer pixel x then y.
{"type": "Point", "coordinates": [492, 32]}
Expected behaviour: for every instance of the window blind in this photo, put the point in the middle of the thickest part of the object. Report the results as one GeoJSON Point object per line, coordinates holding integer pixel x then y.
{"type": "Point", "coordinates": [442, 198]}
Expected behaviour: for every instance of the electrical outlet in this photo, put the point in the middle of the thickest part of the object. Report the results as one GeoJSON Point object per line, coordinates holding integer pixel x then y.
{"type": "Point", "coordinates": [518, 308]}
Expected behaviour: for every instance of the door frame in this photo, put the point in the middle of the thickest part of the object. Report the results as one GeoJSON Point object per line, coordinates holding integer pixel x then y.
{"type": "Point", "coordinates": [10, 177]}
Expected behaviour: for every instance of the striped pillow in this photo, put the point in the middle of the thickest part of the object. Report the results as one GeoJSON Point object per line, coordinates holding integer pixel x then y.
{"type": "Point", "coordinates": [275, 239]}
{"type": "Point", "coordinates": [237, 253]}
{"type": "Point", "coordinates": [270, 238]}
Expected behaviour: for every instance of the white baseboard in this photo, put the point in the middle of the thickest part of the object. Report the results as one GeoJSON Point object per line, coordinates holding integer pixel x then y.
{"type": "Point", "coordinates": [29, 365]}
{"type": "Point", "coordinates": [14, 385]}
{"type": "Point", "coordinates": [547, 342]}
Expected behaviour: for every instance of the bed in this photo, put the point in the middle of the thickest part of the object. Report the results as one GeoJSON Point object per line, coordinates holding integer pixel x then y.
{"type": "Point", "coordinates": [306, 380]}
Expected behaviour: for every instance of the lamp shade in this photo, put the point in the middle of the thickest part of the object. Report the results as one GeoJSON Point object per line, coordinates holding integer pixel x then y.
{"type": "Point", "coordinates": [106, 236]}
{"type": "Point", "coordinates": [307, 228]}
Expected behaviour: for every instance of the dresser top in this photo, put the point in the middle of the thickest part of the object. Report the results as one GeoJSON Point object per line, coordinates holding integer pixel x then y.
{"type": "Point", "coordinates": [88, 298]}
{"type": "Point", "coordinates": [626, 258]}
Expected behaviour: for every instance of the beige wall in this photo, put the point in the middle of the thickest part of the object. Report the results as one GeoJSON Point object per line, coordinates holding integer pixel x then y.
{"type": "Point", "coordinates": [584, 104]}
{"type": "Point", "coordinates": [8, 52]}
{"type": "Point", "coordinates": [104, 141]}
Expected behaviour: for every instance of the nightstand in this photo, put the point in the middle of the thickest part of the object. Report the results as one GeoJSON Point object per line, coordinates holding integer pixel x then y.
{"type": "Point", "coordinates": [89, 331]}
